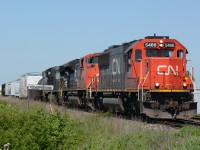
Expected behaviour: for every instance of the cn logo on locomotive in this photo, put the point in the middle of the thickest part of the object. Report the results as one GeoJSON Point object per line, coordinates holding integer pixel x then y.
{"type": "Point", "coordinates": [165, 70]}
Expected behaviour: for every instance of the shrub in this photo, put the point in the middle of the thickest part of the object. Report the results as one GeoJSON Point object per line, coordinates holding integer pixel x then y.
{"type": "Point", "coordinates": [38, 130]}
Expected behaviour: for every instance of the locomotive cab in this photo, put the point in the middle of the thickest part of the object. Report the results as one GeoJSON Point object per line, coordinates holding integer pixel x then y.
{"type": "Point", "coordinates": [89, 71]}
{"type": "Point", "coordinates": [85, 76]}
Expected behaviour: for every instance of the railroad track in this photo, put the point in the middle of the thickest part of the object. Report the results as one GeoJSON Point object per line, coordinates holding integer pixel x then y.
{"type": "Point", "coordinates": [179, 123]}
{"type": "Point", "coordinates": [175, 123]}
{"type": "Point", "coordinates": [196, 118]}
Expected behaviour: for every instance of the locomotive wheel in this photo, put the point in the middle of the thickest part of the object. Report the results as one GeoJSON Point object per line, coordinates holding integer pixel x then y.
{"type": "Point", "coordinates": [121, 103]}
{"type": "Point", "coordinates": [131, 110]}
{"type": "Point", "coordinates": [98, 103]}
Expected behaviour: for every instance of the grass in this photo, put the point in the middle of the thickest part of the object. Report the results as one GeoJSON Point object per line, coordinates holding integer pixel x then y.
{"type": "Point", "coordinates": [40, 126]}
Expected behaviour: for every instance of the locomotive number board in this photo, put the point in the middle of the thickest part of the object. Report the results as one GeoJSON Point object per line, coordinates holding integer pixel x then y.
{"type": "Point", "coordinates": [169, 45]}
{"type": "Point", "coordinates": [150, 44]}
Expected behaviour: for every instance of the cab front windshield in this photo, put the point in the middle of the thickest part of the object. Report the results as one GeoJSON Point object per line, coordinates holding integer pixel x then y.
{"type": "Point", "coordinates": [92, 60]}
{"type": "Point", "coordinates": [159, 53]}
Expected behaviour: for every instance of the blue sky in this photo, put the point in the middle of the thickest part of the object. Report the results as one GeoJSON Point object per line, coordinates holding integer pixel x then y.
{"type": "Point", "coordinates": [38, 34]}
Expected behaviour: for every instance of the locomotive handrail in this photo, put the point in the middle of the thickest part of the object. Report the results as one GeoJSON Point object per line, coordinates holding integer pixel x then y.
{"type": "Point", "coordinates": [191, 74]}
{"type": "Point", "coordinates": [140, 80]}
{"type": "Point", "coordinates": [193, 82]}
{"type": "Point", "coordinates": [143, 84]}
{"type": "Point", "coordinates": [139, 89]}
{"type": "Point", "coordinates": [93, 79]}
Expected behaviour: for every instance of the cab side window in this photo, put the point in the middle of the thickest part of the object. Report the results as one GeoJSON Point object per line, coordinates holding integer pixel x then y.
{"type": "Point", "coordinates": [138, 55]}
{"type": "Point", "coordinates": [180, 53]}
{"type": "Point", "coordinates": [92, 60]}
{"type": "Point", "coordinates": [82, 63]}
{"type": "Point", "coordinates": [129, 63]}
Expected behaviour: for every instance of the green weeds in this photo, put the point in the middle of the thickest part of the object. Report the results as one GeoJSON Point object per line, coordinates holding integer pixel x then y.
{"type": "Point", "coordinates": [36, 128]}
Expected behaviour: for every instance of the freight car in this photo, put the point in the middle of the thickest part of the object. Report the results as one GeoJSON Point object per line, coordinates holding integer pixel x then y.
{"type": "Point", "coordinates": [15, 88]}
{"type": "Point", "coordinates": [3, 89]}
{"type": "Point", "coordinates": [142, 77]}
{"type": "Point", "coordinates": [8, 89]}
{"type": "Point", "coordinates": [27, 79]}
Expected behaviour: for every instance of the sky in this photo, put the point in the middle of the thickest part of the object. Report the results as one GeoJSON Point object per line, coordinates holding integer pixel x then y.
{"type": "Point", "coordinates": [39, 34]}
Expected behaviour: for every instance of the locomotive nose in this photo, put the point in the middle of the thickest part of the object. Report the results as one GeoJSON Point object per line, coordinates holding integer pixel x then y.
{"type": "Point", "coordinates": [165, 73]}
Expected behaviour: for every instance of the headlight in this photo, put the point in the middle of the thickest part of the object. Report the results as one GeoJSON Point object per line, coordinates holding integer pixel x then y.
{"type": "Point", "coordinates": [157, 84]}
{"type": "Point", "coordinates": [161, 41]}
{"type": "Point", "coordinates": [184, 85]}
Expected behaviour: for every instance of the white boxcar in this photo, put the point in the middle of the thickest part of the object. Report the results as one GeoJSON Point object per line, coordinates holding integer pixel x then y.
{"type": "Point", "coordinates": [12, 88]}
{"type": "Point", "coordinates": [28, 79]}
{"type": "Point", "coordinates": [197, 97]}
{"type": "Point", "coordinates": [8, 89]}
{"type": "Point", "coordinates": [17, 88]}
